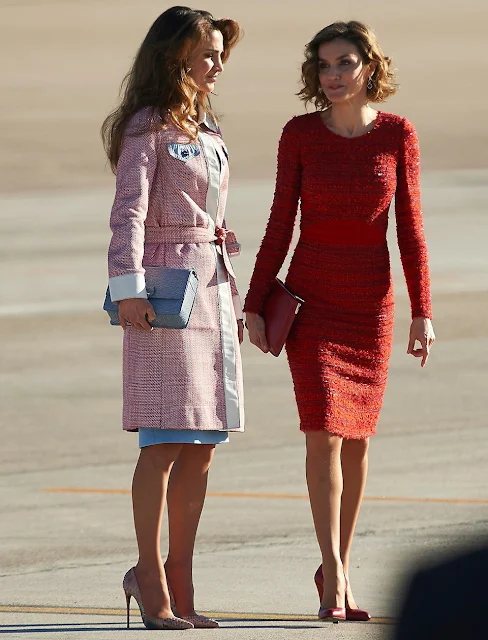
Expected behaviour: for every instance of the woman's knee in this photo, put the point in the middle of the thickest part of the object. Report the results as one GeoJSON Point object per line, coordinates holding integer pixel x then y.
{"type": "Point", "coordinates": [322, 444]}
{"type": "Point", "coordinates": [160, 455]}
{"type": "Point", "coordinates": [198, 454]}
{"type": "Point", "coordinates": [356, 448]}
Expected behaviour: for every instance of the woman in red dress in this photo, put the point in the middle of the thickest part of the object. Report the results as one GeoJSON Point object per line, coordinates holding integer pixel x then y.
{"type": "Point", "coordinates": [344, 163]}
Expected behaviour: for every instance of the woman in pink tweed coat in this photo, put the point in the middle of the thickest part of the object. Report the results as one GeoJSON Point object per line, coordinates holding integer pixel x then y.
{"type": "Point", "coordinates": [182, 388]}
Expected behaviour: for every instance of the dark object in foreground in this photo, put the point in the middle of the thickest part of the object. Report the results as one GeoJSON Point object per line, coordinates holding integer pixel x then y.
{"type": "Point", "coordinates": [447, 601]}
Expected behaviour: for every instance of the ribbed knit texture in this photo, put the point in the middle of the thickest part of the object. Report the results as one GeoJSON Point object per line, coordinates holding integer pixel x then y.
{"type": "Point", "coordinates": [340, 344]}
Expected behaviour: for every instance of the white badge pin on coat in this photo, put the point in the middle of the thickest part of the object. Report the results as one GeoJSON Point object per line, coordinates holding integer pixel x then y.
{"type": "Point", "coordinates": [183, 152]}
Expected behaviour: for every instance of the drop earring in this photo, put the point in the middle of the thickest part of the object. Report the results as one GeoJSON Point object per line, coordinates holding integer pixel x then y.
{"type": "Point", "coordinates": [370, 84]}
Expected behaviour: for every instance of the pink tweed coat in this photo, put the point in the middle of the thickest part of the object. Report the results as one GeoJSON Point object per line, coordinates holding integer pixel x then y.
{"type": "Point", "coordinates": [168, 211]}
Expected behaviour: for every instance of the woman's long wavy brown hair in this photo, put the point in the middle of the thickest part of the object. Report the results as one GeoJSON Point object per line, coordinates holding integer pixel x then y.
{"type": "Point", "coordinates": [159, 76]}
{"type": "Point", "coordinates": [364, 38]}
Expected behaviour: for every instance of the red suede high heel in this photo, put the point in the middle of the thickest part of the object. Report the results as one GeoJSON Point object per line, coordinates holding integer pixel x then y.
{"type": "Point", "coordinates": [332, 614]}
{"type": "Point", "coordinates": [353, 615]}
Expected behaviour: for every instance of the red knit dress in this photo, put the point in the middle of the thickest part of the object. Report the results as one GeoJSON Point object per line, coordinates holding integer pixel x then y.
{"type": "Point", "coordinates": [340, 344]}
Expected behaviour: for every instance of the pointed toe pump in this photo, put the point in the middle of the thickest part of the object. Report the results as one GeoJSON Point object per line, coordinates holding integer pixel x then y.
{"type": "Point", "coordinates": [196, 619]}
{"type": "Point", "coordinates": [352, 615]}
{"type": "Point", "coordinates": [333, 614]}
{"type": "Point", "coordinates": [131, 590]}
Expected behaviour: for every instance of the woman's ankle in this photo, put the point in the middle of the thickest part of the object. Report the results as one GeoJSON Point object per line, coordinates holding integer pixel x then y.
{"type": "Point", "coordinates": [153, 569]}
{"type": "Point", "coordinates": [179, 578]}
{"type": "Point", "coordinates": [334, 585]}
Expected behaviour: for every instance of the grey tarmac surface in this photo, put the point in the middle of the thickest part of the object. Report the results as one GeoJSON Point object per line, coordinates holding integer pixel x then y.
{"type": "Point", "coordinates": [66, 535]}
{"type": "Point", "coordinates": [74, 627]}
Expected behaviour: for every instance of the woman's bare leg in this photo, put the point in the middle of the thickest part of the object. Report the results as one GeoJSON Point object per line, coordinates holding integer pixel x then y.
{"type": "Point", "coordinates": [149, 488]}
{"type": "Point", "coordinates": [324, 480]}
{"type": "Point", "coordinates": [186, 496]}
{"type": "Point", "coordinates": [354, 470]}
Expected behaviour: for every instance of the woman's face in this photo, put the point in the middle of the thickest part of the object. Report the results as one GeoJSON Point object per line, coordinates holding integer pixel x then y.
{"type": "Point", "coordinates": [206, 62]}
{"type": "Point", "coordinates": [342, 73]}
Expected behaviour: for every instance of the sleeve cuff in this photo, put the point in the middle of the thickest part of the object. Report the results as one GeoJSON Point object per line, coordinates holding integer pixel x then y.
{"type": "Point", "coordinates": [237, 307]}
{"type": "Point", "coordinates": [128, 285]}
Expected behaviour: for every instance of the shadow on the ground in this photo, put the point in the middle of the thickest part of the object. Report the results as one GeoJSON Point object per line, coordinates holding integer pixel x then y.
{"type": "Point", "coordinates": [228, 623]}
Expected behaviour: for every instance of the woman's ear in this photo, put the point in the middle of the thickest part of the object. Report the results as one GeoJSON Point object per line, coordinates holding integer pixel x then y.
{"type": "Point", "coordinates": [373, 65]}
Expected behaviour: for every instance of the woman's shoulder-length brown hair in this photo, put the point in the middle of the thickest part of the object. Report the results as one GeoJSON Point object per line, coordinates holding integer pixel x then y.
{"type": "Point", "coordinates": [364, 38]}
{"type": "Point", "coordinates": [159, 76]}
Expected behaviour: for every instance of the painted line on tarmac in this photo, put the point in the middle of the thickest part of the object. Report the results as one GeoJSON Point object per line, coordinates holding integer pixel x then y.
{"type": "Point", "coordinates": [277, 496]}
{"type": "Point", "coordinates": [87, 611]}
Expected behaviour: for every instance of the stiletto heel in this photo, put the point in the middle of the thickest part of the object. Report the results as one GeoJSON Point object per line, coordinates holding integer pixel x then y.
{"type": "Point", "coordinates": [353, 615]}
{"type": "Point", "coordinates": [127, 599]}
{"type": "Point", "coordinates": [319, 582]}
{"type": "Point", "coordinates": [131, 590]}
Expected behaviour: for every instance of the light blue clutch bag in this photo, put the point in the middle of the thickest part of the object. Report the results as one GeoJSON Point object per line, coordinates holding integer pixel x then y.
{"type": "Point", "coordinates": [172, 294]}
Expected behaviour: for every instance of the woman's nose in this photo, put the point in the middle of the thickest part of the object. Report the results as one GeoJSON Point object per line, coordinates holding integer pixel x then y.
{"type": "Point", "coordinates": [334, 72]}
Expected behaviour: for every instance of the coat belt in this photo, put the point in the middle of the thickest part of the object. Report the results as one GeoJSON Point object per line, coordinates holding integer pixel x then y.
{"type": "Point", "coordinates": [178, 235]}
{"type": "Point", "coordinates": [224, 239]}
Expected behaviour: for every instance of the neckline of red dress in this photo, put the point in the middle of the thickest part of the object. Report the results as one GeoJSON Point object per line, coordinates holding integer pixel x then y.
{"type": "Point", "coordinates": [337, 135]}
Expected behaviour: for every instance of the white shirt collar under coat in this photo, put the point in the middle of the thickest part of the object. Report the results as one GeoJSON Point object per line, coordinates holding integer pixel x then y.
{"type": "Point", "coordinates": [204, 118]}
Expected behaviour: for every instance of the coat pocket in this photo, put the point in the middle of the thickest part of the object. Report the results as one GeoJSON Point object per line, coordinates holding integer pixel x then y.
{"type": "Point", "coordinates": [183, 152]}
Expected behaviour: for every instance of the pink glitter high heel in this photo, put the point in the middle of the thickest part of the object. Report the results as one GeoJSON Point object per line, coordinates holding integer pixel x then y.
{"type": "Point", "coordinates": [197, 620]}
{"type": "Point", "coordinates": [131, 590]}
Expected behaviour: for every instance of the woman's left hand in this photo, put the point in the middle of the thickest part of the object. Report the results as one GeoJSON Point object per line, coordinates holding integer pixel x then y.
{"type": "Point", "coordinates": [240, 330]}
{"type": "Point", "coordinates": [421, 330]}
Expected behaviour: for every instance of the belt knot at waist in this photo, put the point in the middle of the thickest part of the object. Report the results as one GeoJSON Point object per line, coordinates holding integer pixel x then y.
{"type": "Point", "coordinates": [193, 235]}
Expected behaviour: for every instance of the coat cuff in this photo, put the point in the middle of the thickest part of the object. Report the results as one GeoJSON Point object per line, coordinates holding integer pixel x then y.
{"type": "Point", "coordinates": [237, 307]}
{"type": "Point", "coordinates": [128, 285]}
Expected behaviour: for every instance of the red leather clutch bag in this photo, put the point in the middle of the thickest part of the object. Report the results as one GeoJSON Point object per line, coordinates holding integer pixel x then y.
{"type": "Point", "coordinates": [279, 312]}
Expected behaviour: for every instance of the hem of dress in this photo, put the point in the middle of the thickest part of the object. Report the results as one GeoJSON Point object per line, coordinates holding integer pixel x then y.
{"type": "Point", "coordinates": [150, 437]}
{"type": "Point", "coordinates": [136, 429]}
{"type": "Point", "coordinates": [341, 434]}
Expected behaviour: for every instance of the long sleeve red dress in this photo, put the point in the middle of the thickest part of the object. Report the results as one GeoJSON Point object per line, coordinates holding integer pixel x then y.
{"type": "Point", "coordinates": [339, 347]}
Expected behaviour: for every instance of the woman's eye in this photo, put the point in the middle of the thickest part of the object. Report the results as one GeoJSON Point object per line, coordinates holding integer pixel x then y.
{"type": "Point", "coordinates": [345, 62]}
{"type": "Point", "coordinates": [323, 65]}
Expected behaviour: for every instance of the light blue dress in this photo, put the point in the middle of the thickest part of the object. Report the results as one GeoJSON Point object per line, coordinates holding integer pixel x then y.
{"type": "Point", "coordinates": [148, 437]}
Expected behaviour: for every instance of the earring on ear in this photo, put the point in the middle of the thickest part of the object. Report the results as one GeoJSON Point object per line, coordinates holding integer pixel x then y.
{"type": "Point", "coordinates": [370, 84]}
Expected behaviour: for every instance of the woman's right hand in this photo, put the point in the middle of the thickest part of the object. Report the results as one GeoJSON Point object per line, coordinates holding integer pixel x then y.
{"type": "Point", "coordinates": [257, 331]}
{"type": "Point", "coordinates": [137, 312]}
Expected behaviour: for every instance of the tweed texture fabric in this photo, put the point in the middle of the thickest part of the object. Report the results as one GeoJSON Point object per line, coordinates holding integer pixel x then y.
{"type": "Point", "coordinates": [339, 347]}
{"type": "Point", "coordinates": [190, 378]}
